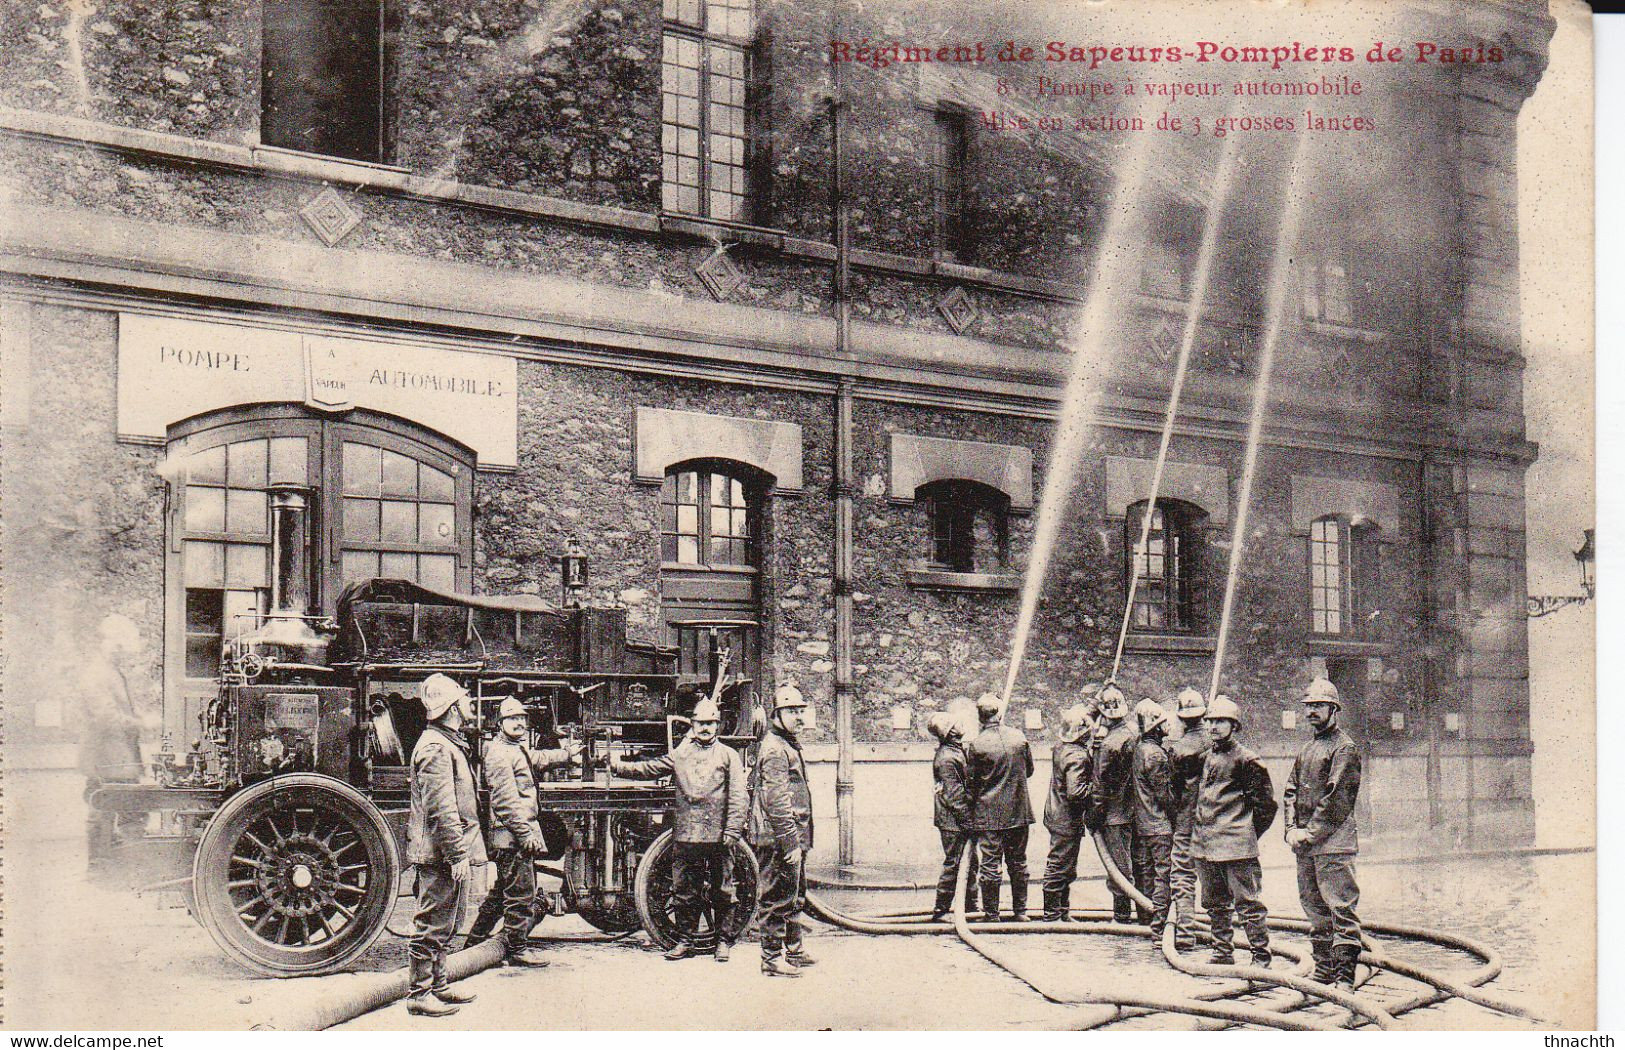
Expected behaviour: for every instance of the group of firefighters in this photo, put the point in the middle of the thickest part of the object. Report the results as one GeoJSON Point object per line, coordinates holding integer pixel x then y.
{"type": "Point", "coordinates": [1167, 813]}
{"type": "Point", "coordinates": [1170, 813]}
{"type": "Point", "coordinates": [717, 806]}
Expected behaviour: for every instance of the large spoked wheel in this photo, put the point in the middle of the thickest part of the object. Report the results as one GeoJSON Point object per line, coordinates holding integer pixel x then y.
{"type": "Point", "coordinates": [295, 876]}
{"type": "Point", "coordinates": [657, 905]}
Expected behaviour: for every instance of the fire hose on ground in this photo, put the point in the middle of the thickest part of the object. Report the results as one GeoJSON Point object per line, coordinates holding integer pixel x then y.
{"type": "Point", "coordinates": [1301, 989]}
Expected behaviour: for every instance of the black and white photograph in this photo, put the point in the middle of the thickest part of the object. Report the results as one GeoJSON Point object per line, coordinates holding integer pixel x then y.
{"type": "Point", "coordinates": [743, 515]}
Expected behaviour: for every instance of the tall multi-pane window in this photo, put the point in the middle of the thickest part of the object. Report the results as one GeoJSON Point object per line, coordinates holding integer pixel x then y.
{"type": "Point", "coordinates": [1166, 571]}
{"type": "Point", "coordinates": [324, 68]}
{"type": "Point", "coordinates": [950, 159]}
{"type": "Point", "coordinates": [705, 64]}
{"type": "Point", "coordinates": [705, 519]}
{"type": "Point", "coordinates": [1344, 576]}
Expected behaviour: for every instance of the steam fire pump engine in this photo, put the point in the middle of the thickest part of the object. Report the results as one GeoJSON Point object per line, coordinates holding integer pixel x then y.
{"type": "Point", "coordinates": [284, 826]}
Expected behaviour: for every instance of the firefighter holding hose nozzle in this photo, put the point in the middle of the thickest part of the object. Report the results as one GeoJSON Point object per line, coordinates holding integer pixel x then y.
{"type": "Point", "coordinates": [1153, 813]}
{"type": "Point", "coordinates": [1319, 801]}
{"type": "Point", "coordinates": [1001, 762]}
{"type": "Point", "coordinates": [1235, 804]}
{"type": "Point", "coordinates": [1114, 792]}
{"type": "Point", "coordinates": [951, 807]}
{"type": "Point", "coordinates": [1071, 785]}
{"type": "Point", "coordinates": [1187, 753]}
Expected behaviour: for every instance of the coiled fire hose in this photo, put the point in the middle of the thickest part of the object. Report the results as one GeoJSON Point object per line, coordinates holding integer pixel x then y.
{"type": "Point", "coordinates": [1440, 988]}
{"type": "Point", "coordinates": [1352, 1003]}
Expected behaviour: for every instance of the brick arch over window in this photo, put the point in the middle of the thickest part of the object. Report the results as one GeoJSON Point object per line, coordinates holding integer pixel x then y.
{"type": "Point", "coordinates": [385, 497]}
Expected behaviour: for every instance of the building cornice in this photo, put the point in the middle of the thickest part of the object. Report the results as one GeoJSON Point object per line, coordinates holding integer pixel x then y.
{"type": "Point", "coordinates": [130, 264]}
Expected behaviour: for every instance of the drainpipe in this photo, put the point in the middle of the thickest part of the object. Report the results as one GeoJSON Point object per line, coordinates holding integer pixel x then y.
{"type": "Point", "coordinates": [842, 583]}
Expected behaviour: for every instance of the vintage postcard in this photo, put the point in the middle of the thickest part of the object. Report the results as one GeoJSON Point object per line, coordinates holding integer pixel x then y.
{"type": "Point", "coordinates": [913, 514]}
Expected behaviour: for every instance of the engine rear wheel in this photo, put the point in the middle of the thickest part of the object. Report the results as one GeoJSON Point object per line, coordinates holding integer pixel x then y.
{"type": "Point", "coordinates": [295, 876]}
{"type": "Point", "coordinates": [656, 901]}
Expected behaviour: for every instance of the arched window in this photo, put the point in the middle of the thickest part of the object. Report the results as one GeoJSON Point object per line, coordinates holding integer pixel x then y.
{"type": "Point", "coordinates": [969, 525]}
{"type": "Point", "coordinates": [1344, 576]}
{"type": "Point", "coordinates": [711, 538]}
{"type": "Point", "coordinates": [383, 498]}
{"type": "Point", "coordinates": [1168, 593]}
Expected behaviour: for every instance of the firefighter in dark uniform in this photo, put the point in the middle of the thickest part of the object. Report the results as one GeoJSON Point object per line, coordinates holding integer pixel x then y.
{"type": "Point", "coordinates": [781, 829]}
{"type": "Point", "coordinates": [442, 842]}
{"type": "Point", "coordinates": [1000, 764]}
{"type": "Point", "coordinates": [712, 807]}
{"type": "Point", "coordinates": [1114, 791]}
{"type": "Point", "coordinates": [1187, 753]}
{"type": "Point", "coordinates": [1235, 805]}
{"type": "Point", "coordinates": [510, 770]}
{"type": "Point", "coordinates": [1153, 813]}
{"type": "Point", "coordinates": [1071, 783]}
{"type": "Point", "coordinates": [951, 810]}
{"type": "Point", "coordinates": [1320, 796]}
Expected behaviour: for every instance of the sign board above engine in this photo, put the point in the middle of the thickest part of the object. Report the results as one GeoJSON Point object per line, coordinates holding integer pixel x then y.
{"type": "Point", "coordinates": [170, 369]}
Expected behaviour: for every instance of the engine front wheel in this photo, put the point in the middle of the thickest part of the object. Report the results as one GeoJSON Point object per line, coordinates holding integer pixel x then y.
{"type": "Point", "coordinates": [295, 876]}
{"type": "Point", "coordinates": [657, 906]}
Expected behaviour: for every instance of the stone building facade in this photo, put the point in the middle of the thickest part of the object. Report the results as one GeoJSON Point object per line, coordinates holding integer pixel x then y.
{"type": "Point", "coordinates": [578, 323]}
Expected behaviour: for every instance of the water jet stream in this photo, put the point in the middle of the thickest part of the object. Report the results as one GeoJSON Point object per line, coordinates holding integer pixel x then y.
{"type": "Point", "coordinates": [1107, 286]}
{"type": "Point", "coordinates": [1193, 320]}
{"type": "Point", "coordinates": [1280, 277]}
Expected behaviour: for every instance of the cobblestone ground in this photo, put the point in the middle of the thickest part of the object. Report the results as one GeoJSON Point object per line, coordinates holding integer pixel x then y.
{"type": "Point", "coordinates": [85, 959]}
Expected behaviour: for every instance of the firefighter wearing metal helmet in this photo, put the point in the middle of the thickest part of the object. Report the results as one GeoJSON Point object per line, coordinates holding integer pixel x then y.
{"type": "Point", "coordinates": [1153, 814]}
{"type": "Point", "coordinates": [443, 843]}
{"type": "Point", "coordinates": [781, 830]}
{"type": "Point", "coordinates": [712, 808]}
{"type": "Point", "coordinates": [1235, 805]}
{"type": "Point", "coordinates": [951, 812]}
{"type": "Point", "coordinates": [1187, 752]}
{"type": "Point", "coordinates": [1071, 784]}
{"type": "Point", "coordinates": [1001, 763]}
{"type": "Point", "coordinates": [1114, 791]}
{"type": "Point", "coordinates": [511, 771]}
{"type": "Point", "coordinates": [1320, 797]}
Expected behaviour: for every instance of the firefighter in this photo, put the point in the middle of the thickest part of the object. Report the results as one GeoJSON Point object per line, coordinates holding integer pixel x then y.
{"type": "Point", "coordinates": [712, 808]}
{"type": "Point", "coordinates": [110, 729]}
{"type": "Point", "coordinates": [511, 769]}
{"type": "Point", "coordinates": [781, 829]}
{"type": "Point", "coordinates": [1235, 805]}
{"type": "Point", "coordinates": [1114, 790]}
{"type": "Point", "coordinates": [1000, 764]}
{"type": "Point", "coordinates": [1187, 754]}
{"type": "Point", "coordinates": [1153, 813]}
{"type": "Point", "coordinates": [1071, 783]}
{"type": "Point", "coordinates": [951, 806]}
{"type": "Point", "coordinates": [442, 842]}
{"type": "Point", "coordinates": [1319, 801]}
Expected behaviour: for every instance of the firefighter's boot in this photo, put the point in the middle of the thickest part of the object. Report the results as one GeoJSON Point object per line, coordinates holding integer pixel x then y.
{"type": "Point", "coordinates": [1321, 949]}
{"type": "Point", "coordinates": [773, 964]}
{"type": "Point", "coordinates": [990, 901]}
{"type": "Point", "coordinates": [1345, 957]}
{"type": "Point", "coordinates": [680, 950]}
{"type": "Point", "coordinates": [421, 1002]}
{"type": "Point", "coordinates": [1054, 910]}
{"type": "Point", "coordinates": [443, 989]}
{"type": "Point", "coordinates": [525, 956]}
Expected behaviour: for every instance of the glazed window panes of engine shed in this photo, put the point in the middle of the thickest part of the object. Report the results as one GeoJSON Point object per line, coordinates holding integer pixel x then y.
{"type": "Point", "coordinates": [226, 539]}
{"type": "Point", "coordinates": [1164, 569]}
{"type": "Point", "coordinates": [705, 519]}
{"type": "Point", "coordinates": [400, 518]}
